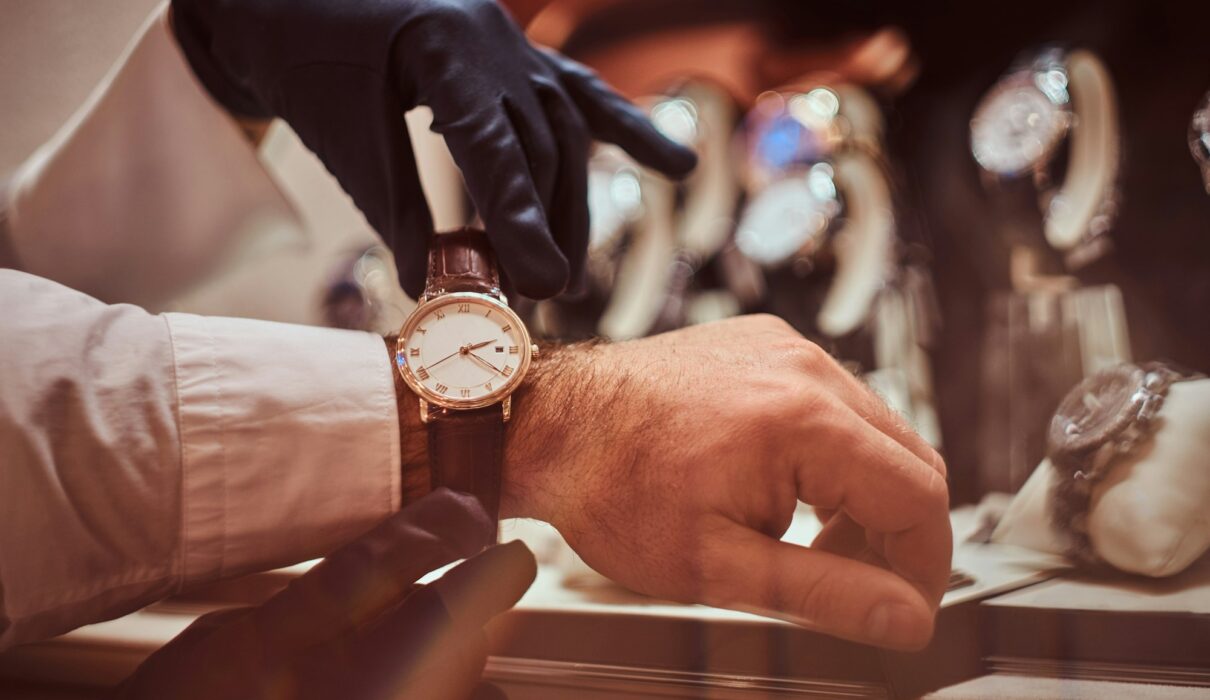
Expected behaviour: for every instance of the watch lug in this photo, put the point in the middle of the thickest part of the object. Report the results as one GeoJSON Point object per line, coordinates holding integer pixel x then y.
{"type": "Point", "coordinates": [424, 411]}
{"type": "Point", "coordinates": [507, 406]}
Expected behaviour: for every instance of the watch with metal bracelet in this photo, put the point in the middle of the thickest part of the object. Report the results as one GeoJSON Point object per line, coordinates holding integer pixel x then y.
{"type": "Point", "coordinates": [1047, 99]}
{"type": "Point", "coordinates": [463, 351]}
{"type": "Point", "coordinates": [1102, 419]}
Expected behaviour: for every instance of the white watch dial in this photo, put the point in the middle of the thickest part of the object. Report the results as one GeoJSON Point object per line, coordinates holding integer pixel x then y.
{"type": "Point", "coordinates": [1015, 126]}
{"type": "Point", "coordinates": [787, 217]}
{"type": "Point", "coordinates": [462, 350]}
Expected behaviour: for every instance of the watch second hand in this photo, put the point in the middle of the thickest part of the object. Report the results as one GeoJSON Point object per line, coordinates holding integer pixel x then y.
{"type": "Point", "coordinates": [459, 351]}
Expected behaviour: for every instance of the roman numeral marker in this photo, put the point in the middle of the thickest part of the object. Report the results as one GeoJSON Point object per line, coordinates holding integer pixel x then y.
{"type": "Point", "coordinates": [441, 388]}
{"type": "Point", "coordinates": [440, 315]}
{"type": "Point", "coordinates": [466, 393]}
{"type": "Point", "coordinates": [507, 371]}
{"type": "Point", "coordinates": [513, 349]}
{"type": "Point", "coordinates": [414, 352]}
{"type": "Point", "coordinates": [488, 386]}
{"type": "Point", "coordinates": [422, 373]}
{"type": "Point", "coordinates": [506, 328]}
{"type": "Point", "coordinates": [464, 308]}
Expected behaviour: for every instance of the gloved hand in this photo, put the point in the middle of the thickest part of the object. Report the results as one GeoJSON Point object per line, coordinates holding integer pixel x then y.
{"type": "Point", "coordinates": [518, 119]}
{"type": "Point", "coordinates": [355, 626]}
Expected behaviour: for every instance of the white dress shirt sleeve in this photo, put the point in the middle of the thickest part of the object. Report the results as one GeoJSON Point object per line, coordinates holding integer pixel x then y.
{"type": "Point", "coordinates": [140, 453]}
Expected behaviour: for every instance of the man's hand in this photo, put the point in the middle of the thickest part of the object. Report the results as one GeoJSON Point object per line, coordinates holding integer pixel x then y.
{"type": "Point", "coordinates": [673, 464]}
{"type": "Point", "coordinates": [519, 120]}
{"type": "Point", "coordinates": [355, 626]}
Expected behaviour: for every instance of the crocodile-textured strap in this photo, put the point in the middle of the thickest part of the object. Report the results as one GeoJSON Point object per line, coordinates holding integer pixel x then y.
{"type": "Point", "coordinates": [466, 451]}
{"type": "Point", "coordinates": [462, 261]}
{"type": "Point", "coordinates": [466, 448]}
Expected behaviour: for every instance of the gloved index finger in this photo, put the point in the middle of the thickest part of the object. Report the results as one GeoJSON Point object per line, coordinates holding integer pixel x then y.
{"type": "Point", "coordinates": [496, 170]}
{"type": "Point", "coordinates": [373, 572]}
{"type": "Point", "coordinates": [612, 118]}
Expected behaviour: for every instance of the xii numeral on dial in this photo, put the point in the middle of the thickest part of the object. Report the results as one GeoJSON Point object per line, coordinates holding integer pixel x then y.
{"type": "Point", "coordinates": [464, 308]}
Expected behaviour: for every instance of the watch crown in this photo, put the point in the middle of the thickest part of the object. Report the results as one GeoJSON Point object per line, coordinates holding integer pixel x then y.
{"type": "Point", "coordinates": [533, 350]}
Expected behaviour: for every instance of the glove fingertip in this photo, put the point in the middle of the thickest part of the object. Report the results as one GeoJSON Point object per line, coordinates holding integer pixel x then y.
{"type": "Point", "coordinates": [678, 161]}
{"type": "Point", "coordinates": [535, 274]}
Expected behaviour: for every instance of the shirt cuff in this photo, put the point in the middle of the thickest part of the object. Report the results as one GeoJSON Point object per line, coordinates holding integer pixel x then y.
{"type": "Point", "coordinates": [289, 439]}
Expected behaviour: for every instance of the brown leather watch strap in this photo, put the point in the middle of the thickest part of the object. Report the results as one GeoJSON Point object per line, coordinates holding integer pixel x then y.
{"type": "Point", "coordinates": [462, 261]}
{"type": "Point", "coordinates": [466, 447]}
{"type": "Point", "coordinates": [466, 451]}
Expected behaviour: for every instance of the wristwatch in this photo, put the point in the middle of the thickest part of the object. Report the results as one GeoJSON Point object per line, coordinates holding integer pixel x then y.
{"type": "Point", "coordinates": [1103, 418]}
{"type": "Point", "coordinates": [1019, 124]}
{"type": "Point", "coordinates": [793, 200]}
{"type": "Point", "coordinates": [464, 352]}
{"type": "Point", "coordinates": [1199, 138]}
{"type": "Point", "coordinates": [1047, 99]}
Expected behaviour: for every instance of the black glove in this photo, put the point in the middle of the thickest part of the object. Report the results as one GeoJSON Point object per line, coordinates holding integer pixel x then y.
{"type": "Point", "coordinates": [355, 626]}
{"type": "Point", "coordinates": [519, 120]}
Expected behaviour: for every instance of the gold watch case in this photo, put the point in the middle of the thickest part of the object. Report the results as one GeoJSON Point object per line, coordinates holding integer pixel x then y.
{"type": "Point", "coordinates": [428, 396]}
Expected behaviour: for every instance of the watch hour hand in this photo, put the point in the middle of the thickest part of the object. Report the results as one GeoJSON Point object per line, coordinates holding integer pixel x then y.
{"type": "Point", "coordinates": [476, 346]}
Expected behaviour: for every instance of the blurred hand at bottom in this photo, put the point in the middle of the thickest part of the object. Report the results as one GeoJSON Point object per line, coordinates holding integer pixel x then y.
{"type": "Point", "coordinates": [357, 626]}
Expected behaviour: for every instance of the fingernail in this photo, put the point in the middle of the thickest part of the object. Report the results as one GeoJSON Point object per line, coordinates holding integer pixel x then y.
{"type": "Point", "coordinates": [895, 625]}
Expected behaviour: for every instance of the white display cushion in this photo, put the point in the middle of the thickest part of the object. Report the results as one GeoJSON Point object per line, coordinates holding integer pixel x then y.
{"type": "Point", "coordinates": [1151, 513]}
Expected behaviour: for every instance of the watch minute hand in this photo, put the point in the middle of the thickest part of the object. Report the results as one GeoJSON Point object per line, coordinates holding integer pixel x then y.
{"type": "Point", "coordinates": [483, 362]}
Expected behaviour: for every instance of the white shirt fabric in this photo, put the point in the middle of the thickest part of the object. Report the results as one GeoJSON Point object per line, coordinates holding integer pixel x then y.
{"type": "Point", "coordinates": [141, 453]}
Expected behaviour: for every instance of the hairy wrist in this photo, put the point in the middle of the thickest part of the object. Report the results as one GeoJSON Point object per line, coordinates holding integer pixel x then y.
{"type": "Point", "coordinates": [556, 429]}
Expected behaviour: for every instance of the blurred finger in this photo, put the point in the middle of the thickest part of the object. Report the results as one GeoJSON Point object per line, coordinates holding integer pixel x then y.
{"type": "Point", "coordinates": [433, 643]}
{"type": "Point", "coordinates": [365, 577]}
{"type": "Point", "coordinates": [612, 118]}
{"type": "Point", "coordinates": [488, 584]}
{"type": "Point", "coordinates": [818, 589]}
{"type": "Point", "coordinates": [497, 173]}
{"type": "Point", "coordinates": [568, 215]}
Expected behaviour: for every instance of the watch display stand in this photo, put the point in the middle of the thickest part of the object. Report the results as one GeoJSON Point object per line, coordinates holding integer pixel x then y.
{"type": "Point", "coordinates": [1149, 514]}
{"type": "Point", "coordinates": [1039, 343]}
